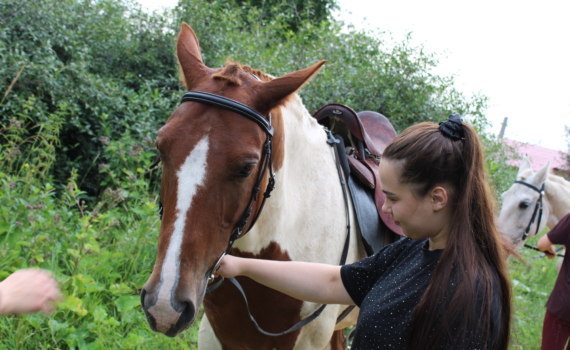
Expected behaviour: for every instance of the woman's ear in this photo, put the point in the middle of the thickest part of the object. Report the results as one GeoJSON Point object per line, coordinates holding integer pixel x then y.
{"type": "Point", "coordinates": [439, 198]}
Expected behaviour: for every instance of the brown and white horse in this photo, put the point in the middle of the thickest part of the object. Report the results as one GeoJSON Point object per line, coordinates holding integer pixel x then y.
{"type": "Point", "coordinates": [211, 160]}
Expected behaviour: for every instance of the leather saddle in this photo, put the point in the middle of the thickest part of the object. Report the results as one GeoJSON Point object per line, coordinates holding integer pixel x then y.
{"type": "Point", "coordinates": [366, 135]}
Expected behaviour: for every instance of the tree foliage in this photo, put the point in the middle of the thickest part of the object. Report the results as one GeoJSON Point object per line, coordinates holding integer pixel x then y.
{"type": "Point", "coordinates": [107, 66]}
{"type": "Point", "coordinates": [109, 69]}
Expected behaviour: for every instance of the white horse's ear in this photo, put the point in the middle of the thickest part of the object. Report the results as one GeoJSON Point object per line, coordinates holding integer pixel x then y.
{"type": "Point", "coordinates": [525, 165]}
{"type": "Point", "coordinates": [540, 177]}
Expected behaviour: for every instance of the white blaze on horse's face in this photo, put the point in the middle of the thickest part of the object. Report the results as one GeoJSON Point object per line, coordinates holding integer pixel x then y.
{"type": "Point", "coordinates": [190, 176]}
{"type": "Point", "coordinates": [518, 204]}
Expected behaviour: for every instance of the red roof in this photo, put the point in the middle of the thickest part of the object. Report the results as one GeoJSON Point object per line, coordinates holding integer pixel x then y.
{"type": "Point", "coordinates": [538, 156]}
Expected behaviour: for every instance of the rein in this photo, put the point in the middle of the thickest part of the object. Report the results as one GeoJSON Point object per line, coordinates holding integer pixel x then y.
{"type": "Point", "coordinates": [537, 210]}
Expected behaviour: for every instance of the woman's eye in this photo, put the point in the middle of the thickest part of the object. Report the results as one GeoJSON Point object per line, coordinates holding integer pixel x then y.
{"type": "Point", "coordinates": [246, 171]}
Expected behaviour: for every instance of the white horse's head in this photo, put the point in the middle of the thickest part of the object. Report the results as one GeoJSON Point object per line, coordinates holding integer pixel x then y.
{"type": "Point", "coordinates": [519, 203]}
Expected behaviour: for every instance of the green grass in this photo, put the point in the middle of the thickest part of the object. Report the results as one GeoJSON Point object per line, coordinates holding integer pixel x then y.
{"type": "Point", "coordinates": [532, 282]}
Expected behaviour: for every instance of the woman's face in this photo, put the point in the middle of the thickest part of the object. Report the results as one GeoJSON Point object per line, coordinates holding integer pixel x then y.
{"type": "Point", "coordinates": [419, 218]}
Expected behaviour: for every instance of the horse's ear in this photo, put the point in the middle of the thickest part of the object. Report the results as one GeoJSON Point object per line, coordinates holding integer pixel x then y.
{"type": "Point", "coordinates": [189, 56]}
{"type": "Point", "coordinates": [525, 165]}
{"type": "Point", "coordinates": [275, 91]}
{"type": "Point", "coordinates": [541, 175]}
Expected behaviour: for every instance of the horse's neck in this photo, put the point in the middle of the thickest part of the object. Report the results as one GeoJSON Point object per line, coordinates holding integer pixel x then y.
{"type": "Point", "coordinates": [305, 212]}
{"type": "Point", "coordinates": [558, 196]}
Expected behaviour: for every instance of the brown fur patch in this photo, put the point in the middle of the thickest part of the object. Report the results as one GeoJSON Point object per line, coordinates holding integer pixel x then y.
{"type": "Point", "coordinates": [274, 311]}
{"type": "Point", "coordinates": [229, 75]}
{"type": "Point", "coordinates": [258, 73]}
{"type": "Point", "coordinates": [278, 139]}
{"type": "Point", "coordinates": [338, 340]}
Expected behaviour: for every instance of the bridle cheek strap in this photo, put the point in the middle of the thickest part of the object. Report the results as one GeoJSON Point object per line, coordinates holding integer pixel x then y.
{"type": "Point", "coordinates": [265, 163]}
{"type": "Point", "coordinates": [537, 208]}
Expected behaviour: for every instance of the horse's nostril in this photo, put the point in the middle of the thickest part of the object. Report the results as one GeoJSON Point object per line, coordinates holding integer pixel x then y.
{"type": "Point", "coordinates": [143, 294]}
{"type": "Point", "coordinates": [184, 321]}
{"type": "Point", "coordinates": [187, 314]}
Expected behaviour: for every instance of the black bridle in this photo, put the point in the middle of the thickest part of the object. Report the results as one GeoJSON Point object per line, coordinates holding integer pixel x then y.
{"type": "Point", "coordinates": [537, 209]}
{"type": "Point", "coordinates": [265, 165]}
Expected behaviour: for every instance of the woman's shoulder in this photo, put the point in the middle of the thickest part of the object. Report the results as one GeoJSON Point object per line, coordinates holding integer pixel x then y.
{"type": "Point", "coordinates": [403, 246]}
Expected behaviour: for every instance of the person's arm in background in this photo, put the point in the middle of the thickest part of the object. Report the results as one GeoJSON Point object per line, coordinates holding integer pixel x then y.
{"type": "Point", "coordinates": [319, 283]}
{"type": "Point", "coordinates": [559, 234]}
{"type": "Point", "coordinates": [545, 245]}
{"type": "Point", "coordinates": [28, 290]}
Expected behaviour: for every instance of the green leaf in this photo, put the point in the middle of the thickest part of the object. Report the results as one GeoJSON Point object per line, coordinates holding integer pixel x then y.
{"type": "Point", "coordinates": [127, 302]}
{"type": "Point", "coordinates": [73, 304]}
{"type": "Point", "coordinates": [55, 326]}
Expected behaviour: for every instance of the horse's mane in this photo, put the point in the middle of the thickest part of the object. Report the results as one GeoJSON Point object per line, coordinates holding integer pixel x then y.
{"type": "Point", "coordinates": [231, 72]}
{"type": "Point", "coordinates": [558, 179]}
{"type": "Point", "coordinates": [551, 177]}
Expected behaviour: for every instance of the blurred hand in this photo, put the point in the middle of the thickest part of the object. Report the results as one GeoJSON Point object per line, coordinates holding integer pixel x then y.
{"type": "Point", "coordinates": [229, 267]}
{"type": "Point", "coordinates": [552, 251]}
{"type": "Point", "coordinates": [29, 290]}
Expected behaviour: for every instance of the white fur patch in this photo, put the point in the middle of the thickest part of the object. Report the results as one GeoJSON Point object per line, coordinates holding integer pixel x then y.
{"type": "Point", "coordinates": [190, 176]}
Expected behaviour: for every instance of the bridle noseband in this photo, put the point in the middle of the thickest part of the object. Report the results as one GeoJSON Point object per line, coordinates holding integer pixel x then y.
{"type": "Point", "coordinates": [537, 209]}
{"type": "Point", "coordinates": [265, 164]}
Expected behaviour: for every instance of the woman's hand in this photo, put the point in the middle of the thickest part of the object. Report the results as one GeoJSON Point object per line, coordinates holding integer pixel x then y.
{"type": "Point", "coordinates": [29, 290]}
{"type": "Point", "coordinates": [229, 267]}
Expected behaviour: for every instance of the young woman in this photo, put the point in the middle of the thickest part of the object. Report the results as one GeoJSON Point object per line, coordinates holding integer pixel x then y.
{"type": "Point", "coordinates": [445, 286]}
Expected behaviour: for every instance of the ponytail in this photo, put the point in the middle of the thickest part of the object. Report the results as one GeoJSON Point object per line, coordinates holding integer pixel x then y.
{"type": "Point", "coordinates": [474, 258]}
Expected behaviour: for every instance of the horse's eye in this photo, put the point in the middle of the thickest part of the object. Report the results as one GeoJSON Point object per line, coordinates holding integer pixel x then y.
{"type": "Point", "coordinates": [246, 171]}
{"type": "Point", "coordinates": [524, 204]}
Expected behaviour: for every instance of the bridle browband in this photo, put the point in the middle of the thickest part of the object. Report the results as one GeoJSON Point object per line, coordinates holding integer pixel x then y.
{"type": "Point", "coordinates": [537, 209]}
{"type": "Point", "coordinates": [231, 105]}
{"type": "Point", "coordinates": [265, 164]}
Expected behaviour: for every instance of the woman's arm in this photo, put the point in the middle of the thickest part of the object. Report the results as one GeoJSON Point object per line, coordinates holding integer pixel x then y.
{"type": "Point", "coordinates": [545, 245]}
{"type": "Point", "coordinates": [319, 283]}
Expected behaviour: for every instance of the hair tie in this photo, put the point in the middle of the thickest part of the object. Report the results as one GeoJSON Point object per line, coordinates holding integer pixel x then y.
{"type": "Point", "coordinates": [453, 127]}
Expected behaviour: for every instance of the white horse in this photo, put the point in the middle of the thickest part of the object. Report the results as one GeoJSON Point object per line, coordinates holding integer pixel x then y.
{"type": "Point", "coordinates": [518, 203]}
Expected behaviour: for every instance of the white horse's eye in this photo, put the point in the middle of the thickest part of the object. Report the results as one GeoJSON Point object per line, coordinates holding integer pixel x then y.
{"type": "Point", "coordinates": [524, 204]}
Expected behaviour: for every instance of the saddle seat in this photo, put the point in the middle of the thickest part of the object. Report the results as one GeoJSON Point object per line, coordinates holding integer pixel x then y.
{"type": "Point", "coordinates": [368, 133]}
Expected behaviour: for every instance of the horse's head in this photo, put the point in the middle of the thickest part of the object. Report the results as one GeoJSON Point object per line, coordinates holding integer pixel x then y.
{"type": "Point", "coordinates": [211, 161]}
{"type": "Point", "coordinates": [519, 203]}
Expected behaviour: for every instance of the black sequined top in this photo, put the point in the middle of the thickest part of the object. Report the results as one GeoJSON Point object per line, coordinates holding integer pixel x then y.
{"type": "Point", "coordinates": [387, 286]}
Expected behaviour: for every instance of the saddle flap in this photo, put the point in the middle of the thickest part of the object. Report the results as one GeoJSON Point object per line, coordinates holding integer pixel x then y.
{"type": "Point", "coordinates": [363, 173]}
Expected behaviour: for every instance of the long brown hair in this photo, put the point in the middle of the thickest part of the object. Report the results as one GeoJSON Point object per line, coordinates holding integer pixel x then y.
{"type": "Point", "coordinates": [472, 270]}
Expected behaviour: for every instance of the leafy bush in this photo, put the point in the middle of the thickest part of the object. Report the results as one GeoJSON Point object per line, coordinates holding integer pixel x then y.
{"type": "Point", "coordinates": [105, 66]}
{"type": "Point", "coordinates": [102, 253]}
